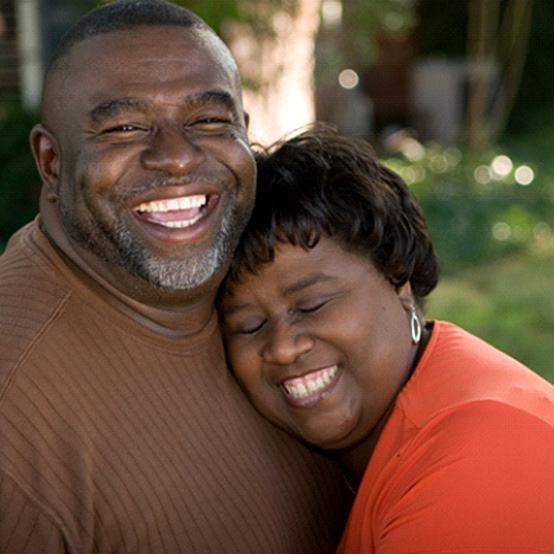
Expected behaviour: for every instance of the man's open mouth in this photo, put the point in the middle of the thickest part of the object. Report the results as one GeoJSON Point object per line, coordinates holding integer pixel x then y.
{"type": "Point", "coordinates": [174, 213]}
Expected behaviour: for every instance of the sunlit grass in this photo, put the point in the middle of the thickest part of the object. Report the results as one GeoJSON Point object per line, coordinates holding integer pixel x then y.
{"type": "Point", "coordinates": [509, 303]}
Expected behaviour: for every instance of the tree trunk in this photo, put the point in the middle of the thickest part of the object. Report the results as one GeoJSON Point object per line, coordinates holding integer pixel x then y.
{"type": "Point", "coordinates": [497, 47]}
{"type": "Point", "coordinates": [278, 70]}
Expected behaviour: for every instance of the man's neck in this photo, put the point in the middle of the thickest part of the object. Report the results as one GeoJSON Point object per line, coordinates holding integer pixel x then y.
{"type": "Point", "coordinates": [174, 314]}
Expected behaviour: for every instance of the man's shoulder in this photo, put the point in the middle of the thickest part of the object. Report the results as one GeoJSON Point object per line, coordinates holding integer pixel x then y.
{"type": "Point", "coordinates": [30, 272]}
{"type": "Point", "coordinates": [31, 293]}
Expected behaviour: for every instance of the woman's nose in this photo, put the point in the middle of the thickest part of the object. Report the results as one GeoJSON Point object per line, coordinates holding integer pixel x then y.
{"type": "Point", "coordinates": [173, 150]}
{"type": "Point", "coordinates": [285, 344]}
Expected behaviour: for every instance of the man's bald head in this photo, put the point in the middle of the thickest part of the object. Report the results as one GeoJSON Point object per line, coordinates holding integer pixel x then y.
{"type": "Point", "coordinates": [120, 16]}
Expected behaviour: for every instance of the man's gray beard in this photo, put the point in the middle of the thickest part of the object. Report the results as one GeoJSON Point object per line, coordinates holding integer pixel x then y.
{"type": "Point", "coordinates": [185, 273]}
{"type": "Point", "coordinates": [179, 274]}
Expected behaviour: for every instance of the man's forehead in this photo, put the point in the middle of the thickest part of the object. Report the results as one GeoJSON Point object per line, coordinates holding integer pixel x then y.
{"type": "Point", "coordinates": [145, 54]}
{"type": "Point", "coordinates": [161, 40]}
{"type": "Point", "coordinates": [172, 47]}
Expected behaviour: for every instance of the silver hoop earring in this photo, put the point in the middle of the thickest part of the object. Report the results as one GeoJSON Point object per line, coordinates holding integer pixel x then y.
{"type": "Point", "coordinates": [415, 327]}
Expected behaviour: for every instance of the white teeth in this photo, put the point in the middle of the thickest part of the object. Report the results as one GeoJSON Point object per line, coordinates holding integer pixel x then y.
{"type": "Point", "coordinates": [310, 385]}
{"type": "Point", "coordinates": [173, 204]}
{"type": "Point", "coordinates": [179, 224]}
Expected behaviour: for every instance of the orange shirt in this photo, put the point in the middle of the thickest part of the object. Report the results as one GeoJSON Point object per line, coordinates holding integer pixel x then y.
{"type": "Point", "coordinates": [466, 460]}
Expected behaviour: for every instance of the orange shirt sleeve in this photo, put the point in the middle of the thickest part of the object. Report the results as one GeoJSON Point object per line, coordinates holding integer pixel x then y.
{"type": "Point", "coordinates": [479, 477]}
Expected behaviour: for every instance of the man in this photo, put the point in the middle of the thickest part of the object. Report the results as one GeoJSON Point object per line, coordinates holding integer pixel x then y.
{"type": "Point", "coordinates": [121, 429]}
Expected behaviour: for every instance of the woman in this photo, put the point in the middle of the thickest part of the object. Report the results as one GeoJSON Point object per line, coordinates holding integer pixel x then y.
{"type": "Point", "coordinates": [449, 442]}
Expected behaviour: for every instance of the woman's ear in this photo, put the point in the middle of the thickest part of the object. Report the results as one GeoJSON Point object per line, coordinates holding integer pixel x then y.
{"type": "Point", "coordinates": [406, 297]}
{"type": "Point", "coordinates": [46, 153]}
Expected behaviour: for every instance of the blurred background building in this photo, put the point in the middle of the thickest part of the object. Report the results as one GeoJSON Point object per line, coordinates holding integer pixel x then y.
{"type": "Point", "coordinates": [439, 68]}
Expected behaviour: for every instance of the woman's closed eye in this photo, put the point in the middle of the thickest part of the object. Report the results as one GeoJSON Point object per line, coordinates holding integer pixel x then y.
{"type": "Point", "coordinates": [311, 308]}
{"type": "Point", "coordinates": [244, 328]}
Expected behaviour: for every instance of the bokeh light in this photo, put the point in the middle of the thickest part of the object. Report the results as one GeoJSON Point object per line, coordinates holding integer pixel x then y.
{"type": "Point", "coordinates": [502, 165]}
{"type": "Point", "coordinates": [412, 149]}
{"type": "Point", "coordinates": [331, 13]}
{"type": "Point", "coordinates": [348, 79]}
{"type": "Point", "coordinates": [501, 231]}
{"type": "Point", "coordinates": [482, 174]}
{"type": "Point", "coordinates": [524, 175]}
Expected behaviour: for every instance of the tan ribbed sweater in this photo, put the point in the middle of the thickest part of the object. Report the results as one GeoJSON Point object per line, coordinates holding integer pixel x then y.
{"type": "Point", "coordinates": [114, 439]}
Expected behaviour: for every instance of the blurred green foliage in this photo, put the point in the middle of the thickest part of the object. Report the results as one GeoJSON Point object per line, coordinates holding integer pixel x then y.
{"type": "Point", "coordinates": [479, 206]}
{"type": "Point", "coordinates": [19, 179]}
{"type": "Point", "coordinates": [508, 303]}
{"type": "Point", "coordinates": [494, 236]}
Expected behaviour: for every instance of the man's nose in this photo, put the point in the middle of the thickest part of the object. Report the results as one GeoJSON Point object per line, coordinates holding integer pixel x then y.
{"type": "Point", "coordinates": [172, 150]}
{"type": "Point", "coordinates": [286, 343]}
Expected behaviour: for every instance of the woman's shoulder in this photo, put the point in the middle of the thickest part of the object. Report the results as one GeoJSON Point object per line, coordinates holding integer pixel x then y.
{"type": "Point", "coordinates": [460, 369]}
{"type": "Point", "coordinates": [481, 473]}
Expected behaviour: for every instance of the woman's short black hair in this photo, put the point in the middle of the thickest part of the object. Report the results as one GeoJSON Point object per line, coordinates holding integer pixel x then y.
{"type": "Point", "coordinates": [321, 182]}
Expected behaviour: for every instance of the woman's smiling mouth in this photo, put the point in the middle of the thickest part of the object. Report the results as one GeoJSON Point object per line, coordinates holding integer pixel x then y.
{"type": "Point", "coordinates": [310, 387]}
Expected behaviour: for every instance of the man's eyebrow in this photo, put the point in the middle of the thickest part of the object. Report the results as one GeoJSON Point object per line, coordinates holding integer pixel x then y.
{"type": "Point", "coordinates": [207, 97]}
{"type": "Point", "coordinates": [113, 107]}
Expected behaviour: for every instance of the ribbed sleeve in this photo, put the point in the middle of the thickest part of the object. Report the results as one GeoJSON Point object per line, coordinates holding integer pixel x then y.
{"type": "Point", "coordinates": [25, 528]}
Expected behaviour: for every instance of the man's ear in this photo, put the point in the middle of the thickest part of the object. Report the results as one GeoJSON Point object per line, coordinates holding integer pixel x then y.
{"type": "Point", "coordinates": [47, 157]}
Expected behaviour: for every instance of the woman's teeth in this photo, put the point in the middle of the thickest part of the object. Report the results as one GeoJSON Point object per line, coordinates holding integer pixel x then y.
{"type": "Point", "coordinates": [301, 387]}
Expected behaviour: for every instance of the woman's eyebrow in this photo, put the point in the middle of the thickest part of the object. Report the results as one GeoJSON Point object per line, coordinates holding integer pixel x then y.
{"type": "Point", "coordinates": [227, 312]}
{"type": "Point", "coordinates": [298, 286]}
{"type": "Point", "coordinates": [307, 282]}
